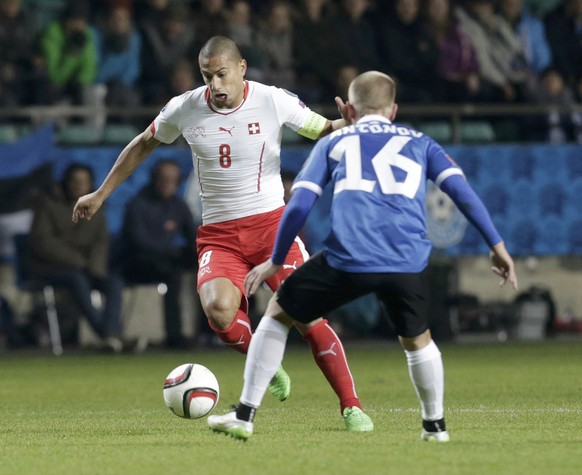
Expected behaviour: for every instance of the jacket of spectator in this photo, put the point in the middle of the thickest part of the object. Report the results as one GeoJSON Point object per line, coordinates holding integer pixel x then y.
{"type": "Point", "coordinates": [69, 57]}
{"type": "Point", "coordinates": [57, 242]}
{"type": "Point", "coordinates": [118, 54]}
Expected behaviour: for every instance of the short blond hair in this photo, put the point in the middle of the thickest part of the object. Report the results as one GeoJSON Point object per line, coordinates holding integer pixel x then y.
{"type": "Point", "coordinates": [372, 91]}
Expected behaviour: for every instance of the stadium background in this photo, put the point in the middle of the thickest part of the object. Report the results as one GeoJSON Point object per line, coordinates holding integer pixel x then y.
{"type": "Point", "coordinates": [531, 188]}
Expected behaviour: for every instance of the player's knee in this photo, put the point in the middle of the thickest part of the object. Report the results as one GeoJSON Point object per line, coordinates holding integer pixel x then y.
{"type": "Point", "coordinates": [416, 342]}
{"type": "Point", "coordinates": [220, 311]}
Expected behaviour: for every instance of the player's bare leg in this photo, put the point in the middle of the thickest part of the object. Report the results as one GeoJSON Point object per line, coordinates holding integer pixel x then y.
{"type": "Point", "coordinates": [425, 367]}
{"type": "Point", "coordinates": [220, 299]}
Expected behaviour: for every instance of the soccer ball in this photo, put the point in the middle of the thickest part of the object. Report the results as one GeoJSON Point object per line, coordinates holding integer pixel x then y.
{"type": "Point", "coordinates": [191, 391]}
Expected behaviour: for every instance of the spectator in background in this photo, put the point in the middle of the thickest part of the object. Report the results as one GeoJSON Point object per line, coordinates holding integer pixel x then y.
{"type": "Point", "coordinates": [100, 10]}
{"type": "Point", "coordinates": [315, 49]}
{"type": "Point", "coordinates": [157, 243]}
{"type": "Point", "coordinates": [183, 78]}
{"type": "Point", "coordinates": [406, 50]}
{"type": "Point", "coordinates": [149, 11]}
{"type": "Point", "coordinates": [75, 256]}
{"type": "Point", "coordinates": [70, 60]}
{"type": "Point", "coordinates": [343, 78]}
{"type": "Point", "coordinates": [456, 68]}
{"type": "Point", "coordinates": [578, 89]}
{"type": "Point", "coordinates": [531, 32]}
{"type": "Point", "coordinates": [166, 41]}
{"type": "Point", "coordinates": [275, 37]}
{"type": "Point", "coordinates": [359, 45]}
{"type": "Point", "coordinates": [210, 20]}
{"type": "Point", "coordinates": [556, 127]}
{"type": "Point", "coordinates": [502, 65]}
{"type": "Point", "coordinates": [16, 54]}
{"type": "Point", "coordinates": [564, 31]}
{"type": "Point", "coordinates": [243, 31]}
{"type": "Point", "coordinates": [118, 53]}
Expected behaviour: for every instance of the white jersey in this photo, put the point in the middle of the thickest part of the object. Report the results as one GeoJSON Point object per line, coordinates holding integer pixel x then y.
{"type": "Point", "coordinates": [236, 152]}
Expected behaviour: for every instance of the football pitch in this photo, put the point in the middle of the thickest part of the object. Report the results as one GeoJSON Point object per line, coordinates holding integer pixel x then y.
{"type": "Point", "coordinates": [510, 409]}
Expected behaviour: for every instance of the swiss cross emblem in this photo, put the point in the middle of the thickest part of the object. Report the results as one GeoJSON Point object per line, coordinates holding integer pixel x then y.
{"type": "Point", "coordinates": [254, 128]}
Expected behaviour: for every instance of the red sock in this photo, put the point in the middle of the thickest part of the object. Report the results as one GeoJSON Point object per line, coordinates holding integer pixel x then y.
{"type": "Point", "coordinates": [329, 355]}
{"type": "Point", "coordinates": [238, 334]}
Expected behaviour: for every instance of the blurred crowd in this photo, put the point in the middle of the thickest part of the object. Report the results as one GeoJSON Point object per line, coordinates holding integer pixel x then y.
{"type": "Point", "coordinates": [142, 52]}
{"type": "Point", "coordinates": [129, 53]}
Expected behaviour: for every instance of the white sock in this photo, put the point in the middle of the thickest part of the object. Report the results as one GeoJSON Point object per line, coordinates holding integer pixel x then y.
{"type": "Point", "coordinates": [263, 359]}
{"type": "Point", "coordinates": [425, 367]}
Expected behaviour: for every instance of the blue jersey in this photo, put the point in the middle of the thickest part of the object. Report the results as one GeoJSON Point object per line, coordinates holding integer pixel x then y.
{"type": "Point", "coordinates": [378, 172]}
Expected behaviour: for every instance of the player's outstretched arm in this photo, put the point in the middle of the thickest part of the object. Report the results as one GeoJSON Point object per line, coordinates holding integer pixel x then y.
{"type": "Point", "coordinates": [129, 159]}
{"type": "Point", "coordinates": [503, 265]}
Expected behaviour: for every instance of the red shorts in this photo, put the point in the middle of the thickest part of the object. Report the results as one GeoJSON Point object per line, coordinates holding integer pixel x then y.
{"type": "Point", "coordinates": [232, 248]}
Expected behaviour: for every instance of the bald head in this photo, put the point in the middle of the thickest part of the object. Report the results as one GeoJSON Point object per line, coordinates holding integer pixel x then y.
{"type": "Point", "coordinates": [372, 92]}
{"type": "Point", "coordinates": [218, 46]}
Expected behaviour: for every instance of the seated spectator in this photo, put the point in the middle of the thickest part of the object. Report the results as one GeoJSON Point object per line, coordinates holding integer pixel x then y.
{"type": "Point", "coordinates": [316, 51]}
{"type": "Point", "coordinates": [531, 32]}
{"type": "Point", "coordinates": [275, 37]}
{"type": "Point", "coordinates": [70, 59]}
{"type": "Point", "coordinates": [183, 79]}
{"type": "Point", "coordinates": [556, 127]}
{"type": "Point", "coordinates": [166, 41]}
{"type": "Point", "coordinates": [16, 54]}
{"type": "Point", "coordinates": [359, 45]}
{"type": "Point", "coordinates": [502, 65]}
{"type": "Point", "coordinates": [243, 31]}
{"type": "Point", "coordinates": [75, 256]}
{"type": "Point", "coordinates": [564, 31]}
{"type": "Point", "coordinates": [457, 70]}
{"type": "Point", "coordinates": [210, 20]}
{"type": "Point", "coordinates": [343, 78]}
{"type": "Point", "coordinates": [406, 50]}
{"type": "Point", "coordinates": [578, 89]}
{"type": "Point", "coordinates": [158, 243]}
{"type": "Point", "coordinates": [149, 11]}
{"type": "Point", "coordinates": [118, 53]}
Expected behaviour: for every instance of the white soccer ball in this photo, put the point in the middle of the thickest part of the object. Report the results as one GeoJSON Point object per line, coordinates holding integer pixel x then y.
{"type": "Point", "coordinates": [191, 391]}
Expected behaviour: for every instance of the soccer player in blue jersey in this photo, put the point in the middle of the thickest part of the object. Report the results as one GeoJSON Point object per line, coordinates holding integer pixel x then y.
{"type": "Point", "coordinates": [378, 244]}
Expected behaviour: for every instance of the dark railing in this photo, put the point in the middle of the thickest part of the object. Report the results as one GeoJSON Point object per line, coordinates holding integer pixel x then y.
{"type": "Point", "coordinates": [454, 115]}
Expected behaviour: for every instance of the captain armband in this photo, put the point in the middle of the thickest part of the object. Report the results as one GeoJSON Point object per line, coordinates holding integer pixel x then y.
{"type": "Point", "coordinates": [314, 124]}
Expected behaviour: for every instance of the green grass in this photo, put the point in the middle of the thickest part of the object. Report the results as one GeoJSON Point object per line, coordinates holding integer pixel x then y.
{"type": "Point", "coordinates": [511, 409]}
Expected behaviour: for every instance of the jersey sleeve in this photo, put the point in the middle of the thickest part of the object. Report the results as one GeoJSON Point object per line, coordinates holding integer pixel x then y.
{"type": "Point", "coordinates": [316, 171]}
{"type": "Point", "coordinates": [293, 113]}
{"type": "Point", "coordinates": [165, 126]}
{"type": "Point", "coordinates": [440, 165]}
{"type": "Point", "coordinates": [472, 208]}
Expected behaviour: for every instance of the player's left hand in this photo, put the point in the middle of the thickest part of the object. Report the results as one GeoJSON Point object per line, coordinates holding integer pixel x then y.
{"type": "Point", "coordinates": [503, 265]}
{"type": "Point", "coordinates": [259, 274]}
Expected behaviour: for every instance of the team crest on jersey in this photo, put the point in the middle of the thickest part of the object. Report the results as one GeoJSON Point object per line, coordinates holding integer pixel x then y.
{"type": "Point", "coordinates": [254, 128]}
{"type": "Point", "coordinates": [446, 225]}
{"type": "Point", "coordinates": [195, 132]}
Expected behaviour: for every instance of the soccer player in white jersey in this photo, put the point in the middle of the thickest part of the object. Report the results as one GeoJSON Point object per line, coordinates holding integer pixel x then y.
{"type": "Point", "coordinates": [234, 129]}
{"type": "Point", "coordinates": [377, 244]}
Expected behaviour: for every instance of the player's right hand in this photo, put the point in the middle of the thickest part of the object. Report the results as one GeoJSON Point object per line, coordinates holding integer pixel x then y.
{"type": "Point", "coordinates": [86, 207]}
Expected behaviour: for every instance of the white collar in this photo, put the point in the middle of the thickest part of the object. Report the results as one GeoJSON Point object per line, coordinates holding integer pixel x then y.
{"type": "Point", "coordinates": [374, 117]}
